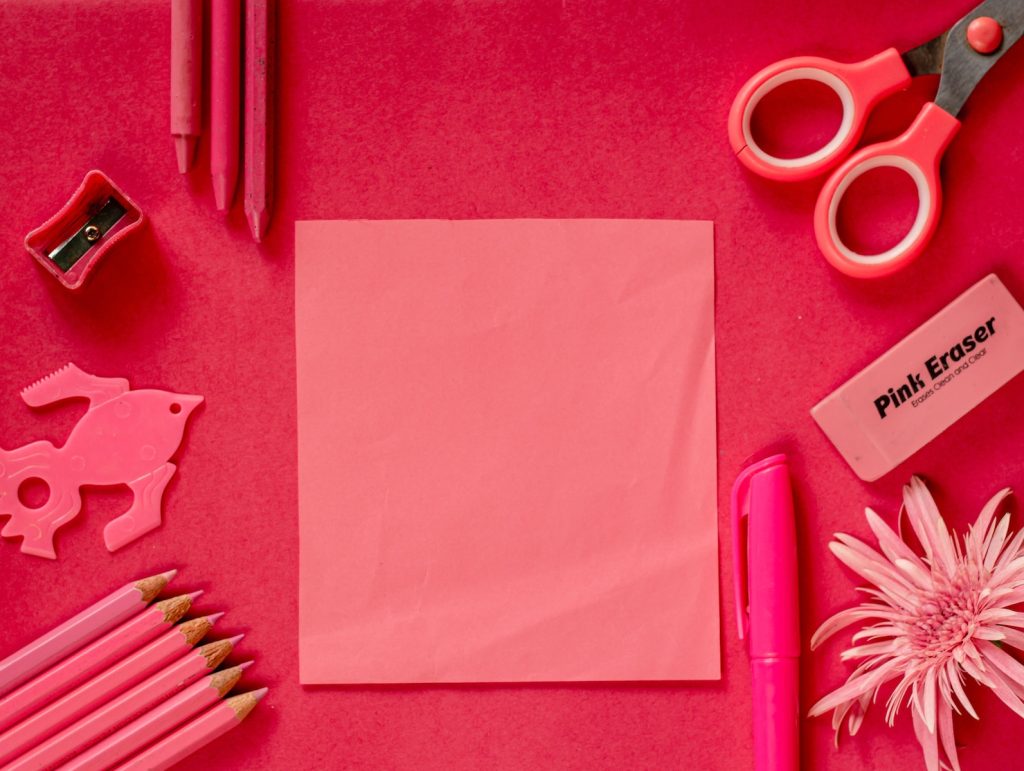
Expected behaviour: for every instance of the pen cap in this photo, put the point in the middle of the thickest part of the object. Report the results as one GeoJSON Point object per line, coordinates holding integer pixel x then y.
{"type": "Point", "coordinates": [765, 559]}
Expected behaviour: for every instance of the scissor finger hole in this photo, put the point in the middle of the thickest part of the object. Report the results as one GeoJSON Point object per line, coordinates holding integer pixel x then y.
{"type": "Point", "coordinates": [776, 94]}
{"type": "Point", "coordinates": [877, 210]}
{"type": "Point", "coordinates": [796, 119]}
{"type": "Point", "coordinates": [923, 196]}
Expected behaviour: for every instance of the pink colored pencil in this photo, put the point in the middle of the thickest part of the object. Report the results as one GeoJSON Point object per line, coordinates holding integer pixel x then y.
{"type": "Point", "coordinates": [102, 688]}
{"type": "Point", "coordinates": [225, 74]}
{"type": "Point", "coordinates": [260, 63]}
{"type": "Point", "coordinates": [197, 734]}
{"type": "Point", "coordinates": [157, 722]}
{"type": "Point", "coordinates": [186, 78]}
{"type": "Point", "coordinates": [80, 630]}
{"type": "Point", "coordinates": [126, 707]}
{"type": "Point", "coordinates": [92, 659]}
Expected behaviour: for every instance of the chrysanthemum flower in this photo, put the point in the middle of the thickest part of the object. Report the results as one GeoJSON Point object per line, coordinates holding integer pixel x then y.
{"type": "Point", "coordinates": [933, 620]}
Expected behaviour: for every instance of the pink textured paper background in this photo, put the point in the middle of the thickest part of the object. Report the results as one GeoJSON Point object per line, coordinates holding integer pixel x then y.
{"type": "Point", "coordinates": [520, 109]}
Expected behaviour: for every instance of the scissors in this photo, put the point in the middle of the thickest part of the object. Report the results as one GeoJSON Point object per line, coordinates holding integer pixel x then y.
{"type": "Point", "coordinates": [962, 56]}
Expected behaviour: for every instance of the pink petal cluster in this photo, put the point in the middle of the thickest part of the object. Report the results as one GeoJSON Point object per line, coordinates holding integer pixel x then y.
{"type": "Point", "coordinates": [933, 621]}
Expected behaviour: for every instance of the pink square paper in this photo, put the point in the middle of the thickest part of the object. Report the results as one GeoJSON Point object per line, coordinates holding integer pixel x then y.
{"type": "Point", "coordinates": [506, 451]}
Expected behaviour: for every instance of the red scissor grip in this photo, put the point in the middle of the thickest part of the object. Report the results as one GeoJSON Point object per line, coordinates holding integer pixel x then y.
{"type": "Point", "coordinates": [917, 151]}
{"type": "Point", "coordinates": [859, 86]}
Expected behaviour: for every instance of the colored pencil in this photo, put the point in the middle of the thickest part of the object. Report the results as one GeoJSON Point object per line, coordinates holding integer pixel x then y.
{"type": "Point", "coordinates": [92, 659]}
{"type": "Point", "coordinates": [260, 61]}
{"type": "Point", "coordinates": [196, 734]}
{"type": "Point", "coordinates": [225, 74]}
{"type": "Point", "coordinates": [81, 630]}
{"type": "Point", "coordinates": [125, 708]}
{"type": "Point", "coordinates": [158, 721]}
{"type": "Point", "coordinates": [107, 685]}
{"type": "Point", "coordinates": [186, 78]}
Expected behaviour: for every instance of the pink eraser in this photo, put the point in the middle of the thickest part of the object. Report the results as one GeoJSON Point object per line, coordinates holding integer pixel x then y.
{"type": "Point", "coordinates": [927, 381]}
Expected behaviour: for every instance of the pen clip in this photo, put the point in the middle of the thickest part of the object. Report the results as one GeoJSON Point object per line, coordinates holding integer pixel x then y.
{"type": "Point", "coordinates": [740, 520]}
{"type": "Point", "coordinates": [740, 512]}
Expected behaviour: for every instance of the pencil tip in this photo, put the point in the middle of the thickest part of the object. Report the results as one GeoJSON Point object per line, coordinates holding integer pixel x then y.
{"type": "Point", "coordinates": [260, 693]}
{"type": "Point", "coordinates": [185, 150]}
{"type": "Point", "coordinates": [170, 574]}
{"type": "Point", "coordinates": [245, 665]}
{"type": "Point", "coordinates": [222, 191]}
{"type": "Point", "coordinates": [214, 617]}
{"type": "Point", "coordinates": [236, 639]}
{"type": "Point", "coordinates": [195, 595]}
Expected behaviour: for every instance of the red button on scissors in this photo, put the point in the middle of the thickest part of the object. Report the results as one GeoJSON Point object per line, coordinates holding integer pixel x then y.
{"type": "Point", "coordinates": [963, 55]}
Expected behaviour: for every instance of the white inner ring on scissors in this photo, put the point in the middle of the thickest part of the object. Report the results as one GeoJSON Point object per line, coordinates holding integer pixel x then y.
{"type": "Point", "coordinates": [801, 73]}
{"type": "Point", "coordinates": [924, 199]}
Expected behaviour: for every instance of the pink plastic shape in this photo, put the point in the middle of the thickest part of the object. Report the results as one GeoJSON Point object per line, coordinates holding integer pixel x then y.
{"type": "Point", "coordinates": [917, 151]}
{"type": "Point", "coordinates": [126, 437]}
{"type": "Point", "coordinates": [90, 196]}
{"type": "Point", "coordinates": [507, 457]}
{"type": "Point", "coordinates": [859, 86]}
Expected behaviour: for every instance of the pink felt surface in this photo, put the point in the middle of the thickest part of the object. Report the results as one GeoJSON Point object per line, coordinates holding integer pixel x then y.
{"type": "Point", "coordinates": [522, 109]}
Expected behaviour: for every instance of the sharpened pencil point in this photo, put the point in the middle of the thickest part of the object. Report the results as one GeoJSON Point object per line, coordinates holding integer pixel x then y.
{"type": "Point", "coordinates": [213, 618]}
{"type": "Point", "coordinates": [260, 693]}
{"type": "Point", "coordinates": [195, 595]}
{"type": "Point", "coordinates": [245, 665]}
{"type": "Point", "coordinates": [236, 639]}
{"type": "Point", "coordinates": [170, 574]}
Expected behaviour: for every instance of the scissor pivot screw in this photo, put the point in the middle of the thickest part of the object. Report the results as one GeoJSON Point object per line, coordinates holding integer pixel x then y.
{"type": "Point", "coordinates": [92, 233]}
{"type": "Point", "coordinates": [985, 35]}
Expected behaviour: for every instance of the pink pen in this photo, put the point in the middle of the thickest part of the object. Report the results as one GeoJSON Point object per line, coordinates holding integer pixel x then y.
{"type": "Point", "coordinates": [768, 607]}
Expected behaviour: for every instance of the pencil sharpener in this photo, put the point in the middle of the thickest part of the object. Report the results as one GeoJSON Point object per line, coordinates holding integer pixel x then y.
{"type": "Point", "coordinates": [97, 218]}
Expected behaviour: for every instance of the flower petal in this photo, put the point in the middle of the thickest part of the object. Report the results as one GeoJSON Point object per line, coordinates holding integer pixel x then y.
{"type": "Point", "coordinates": [995, 545]}
{"type": "Point", "coordinates": [953, 675]}
{"type": "Point", "coordinates": [843, 619]}
{"type": "Point", "coordinates": [928, 741]}
{"type": "Point", "coordinates": [853, 688]}
{"type": "Point", "coordinates": [891, 544]}
{"type": "Point", "coordinates": [946, 735]}
{"type": "Point", "coordinates": [928, 524]}
{"type": "Point", "coordinates": [979, 530]}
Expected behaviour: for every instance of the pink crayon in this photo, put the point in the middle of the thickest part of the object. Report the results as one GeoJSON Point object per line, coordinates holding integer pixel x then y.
{"type": "Point", "coordinates": [186, 78]}
{"type": "Point", "coordinates": [158, 721]}
{"type": "Point", "coordinates": [225, 73]}
{"type": "Point", "coordinates": [259, 114]}
{"type": "Point", "coordinates": [108, 685]}
{"type": "Point", "coordinates": [88, 625]}
{"type": "Point", "coordinates": [92, 659]}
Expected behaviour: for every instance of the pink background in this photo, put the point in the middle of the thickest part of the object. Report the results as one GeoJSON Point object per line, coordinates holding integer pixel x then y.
{"type": "Point", "coordinates": [486, 109]}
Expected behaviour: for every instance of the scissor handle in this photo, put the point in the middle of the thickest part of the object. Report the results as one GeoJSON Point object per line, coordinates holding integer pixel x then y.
{"type": "Point", "coordinates": [917, 151]}
{"type": "Point", "coordinates": [860, 86]}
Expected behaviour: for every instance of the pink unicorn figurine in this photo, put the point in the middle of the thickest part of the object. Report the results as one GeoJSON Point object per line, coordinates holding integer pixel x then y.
{"type": "Point", "coordinates": [126, 437]}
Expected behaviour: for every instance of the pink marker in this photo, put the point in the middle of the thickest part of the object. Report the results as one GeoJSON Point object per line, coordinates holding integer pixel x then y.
{"type": "Point", "coordinates": [768, 607]}
{"type": "Point", "coordinates": [225, 84]}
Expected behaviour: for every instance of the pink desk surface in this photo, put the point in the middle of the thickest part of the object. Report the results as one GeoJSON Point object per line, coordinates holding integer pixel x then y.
{"type": "Point", "coordinates": [485, 109]}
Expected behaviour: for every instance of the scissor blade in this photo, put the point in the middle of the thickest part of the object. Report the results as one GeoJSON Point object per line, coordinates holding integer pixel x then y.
{"type": "Point", "coordinates": [962, 66]}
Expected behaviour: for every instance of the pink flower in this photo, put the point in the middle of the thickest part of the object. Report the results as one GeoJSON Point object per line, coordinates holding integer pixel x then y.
{"type": "Point", "coordinates": [935, 620]}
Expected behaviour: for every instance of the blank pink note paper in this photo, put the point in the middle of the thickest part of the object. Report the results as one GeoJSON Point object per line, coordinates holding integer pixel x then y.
{"type": "Point", "coordinates": [506, 451]}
